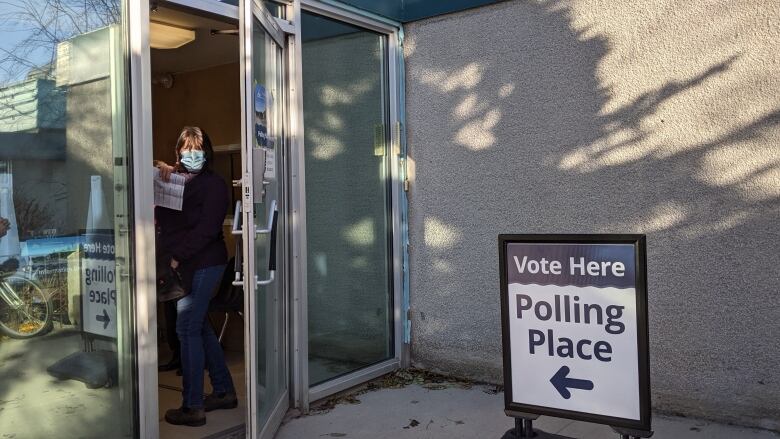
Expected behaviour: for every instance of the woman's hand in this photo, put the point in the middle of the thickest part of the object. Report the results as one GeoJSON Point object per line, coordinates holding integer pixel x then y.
{"type": "Point", "coordinates": [165, 170]}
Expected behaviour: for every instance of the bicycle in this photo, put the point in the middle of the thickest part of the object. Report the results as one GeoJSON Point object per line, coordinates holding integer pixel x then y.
{"type": "Point", "coordinates": [25, 310]}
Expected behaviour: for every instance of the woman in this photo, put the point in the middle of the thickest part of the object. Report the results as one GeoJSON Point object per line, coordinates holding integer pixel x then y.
{"type": "Point", "coordinates": [192, 239]}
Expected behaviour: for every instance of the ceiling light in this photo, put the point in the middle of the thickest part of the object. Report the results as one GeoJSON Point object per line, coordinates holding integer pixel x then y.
{"type": "Point", "coordinates": [165, 36]}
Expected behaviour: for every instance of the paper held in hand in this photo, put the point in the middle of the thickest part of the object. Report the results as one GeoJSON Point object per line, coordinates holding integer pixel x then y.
{"type": "Point", "coordinates": [169, 193]}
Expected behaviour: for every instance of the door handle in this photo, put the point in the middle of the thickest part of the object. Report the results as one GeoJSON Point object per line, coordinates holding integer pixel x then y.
{"type": "Point", "coordinates": [236, 230]}
{"type": "Point", "coordinates": [273, 218]}
{"type": "Point", "coordinates": [238, 281]}
{"type": "Point", "coordinates": [269, 222]}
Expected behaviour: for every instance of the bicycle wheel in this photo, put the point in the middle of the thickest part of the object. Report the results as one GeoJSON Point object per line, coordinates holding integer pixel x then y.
{"type": "Point", "coordinates": [25, 310]}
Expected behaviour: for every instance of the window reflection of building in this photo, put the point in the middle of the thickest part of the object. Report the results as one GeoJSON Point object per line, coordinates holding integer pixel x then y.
{"type": "Point", "coordinates": [55, 136]}
{"type": "Point", "coordinates": [62, 150]}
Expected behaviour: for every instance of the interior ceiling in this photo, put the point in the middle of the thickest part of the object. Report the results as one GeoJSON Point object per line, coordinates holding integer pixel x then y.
{"type": "Point", "coordinates": [206, 51]}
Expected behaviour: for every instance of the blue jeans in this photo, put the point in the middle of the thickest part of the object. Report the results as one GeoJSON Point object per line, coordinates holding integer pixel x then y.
{"type": "Point", "coordinates": [199, 344]}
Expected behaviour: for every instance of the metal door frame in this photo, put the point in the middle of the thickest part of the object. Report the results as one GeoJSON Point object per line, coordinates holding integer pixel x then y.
{"type": "Point", "coordinates": [145, 312]}
{"type": "Point", "coordinates": [297, 316]}
{"type": "Point", "coordinates": [249, 11]}
{"type": "Point", "coordinates": [397, 152]}
{"type": "Point", "coordinates": [140, 118]}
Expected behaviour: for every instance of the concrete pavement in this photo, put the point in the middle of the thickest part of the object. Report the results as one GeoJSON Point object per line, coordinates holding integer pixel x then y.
{"type": "Point", "coordinates": [463, 411]}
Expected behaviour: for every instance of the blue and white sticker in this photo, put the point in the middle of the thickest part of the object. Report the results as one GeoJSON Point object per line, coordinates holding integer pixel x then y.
{"type": "Point", "coordinates": [261, 134]}
{"type": "Point", "coordinates": [260, 98]}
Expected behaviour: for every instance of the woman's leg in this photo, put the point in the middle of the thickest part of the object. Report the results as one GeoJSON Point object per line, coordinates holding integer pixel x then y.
{"type": "Point", "coordinates": [191, 319]}
{"type": "Point", "coordinates": [221, 381]}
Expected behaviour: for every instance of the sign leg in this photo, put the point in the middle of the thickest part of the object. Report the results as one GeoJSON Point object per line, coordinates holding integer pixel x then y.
{"type": "Point", "coordinates": [527, 430]}
{"type": "Point", "coordinates": [524, 429]}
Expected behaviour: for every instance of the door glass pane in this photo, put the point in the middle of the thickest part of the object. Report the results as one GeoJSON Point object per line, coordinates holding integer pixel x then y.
{"type": "Point", "coordinates": [347, 197]}
{"type": "Point", "coordinates": [66, 358]}
{"type": "Point", "coordinates": [277, 9]}
{"type": "Point", "coordinates": [267, 156]}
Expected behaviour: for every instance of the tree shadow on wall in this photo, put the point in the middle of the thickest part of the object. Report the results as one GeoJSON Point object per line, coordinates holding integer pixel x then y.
{"type": "Point", "coordinates": [515, 131]}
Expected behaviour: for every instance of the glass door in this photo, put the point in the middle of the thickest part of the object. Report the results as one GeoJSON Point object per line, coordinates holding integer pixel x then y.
{"type": "Point", "coordinates": [67, 226]}
{"type": "Point", "coordinates": [264, 207]}
{"type": "Point", "coordinates": [348, 164]}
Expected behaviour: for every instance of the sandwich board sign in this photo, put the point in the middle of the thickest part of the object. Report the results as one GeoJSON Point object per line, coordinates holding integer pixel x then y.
{"type": "Point", "coordinates": [574, 325]}
{"type": "Point", "coordinates": [98, 284]}
{"type": "Point", "coordinates": [98, 267]}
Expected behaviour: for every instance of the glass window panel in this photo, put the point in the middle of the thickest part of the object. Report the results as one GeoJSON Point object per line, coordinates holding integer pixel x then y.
{"type": "Point", "coordinates": [66, 359]}
{"type": "Point", "coordinates": [277, 9]}
{"type": "Point", "coordinates": [347, 197]}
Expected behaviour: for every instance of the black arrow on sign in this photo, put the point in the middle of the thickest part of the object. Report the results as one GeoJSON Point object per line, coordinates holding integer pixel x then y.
{"type": "Point", "coordinates": [104, 318]}
{"type": "Point", "coordinates": [562, 384]}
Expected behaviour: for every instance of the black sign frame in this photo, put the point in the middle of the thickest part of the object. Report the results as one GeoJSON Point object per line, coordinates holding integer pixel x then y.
{"type": "Point", "coordinates": [640, 258]}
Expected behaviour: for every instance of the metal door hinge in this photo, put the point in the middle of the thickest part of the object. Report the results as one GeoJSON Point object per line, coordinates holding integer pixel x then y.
{"type": "Point", "coordinates": [406, 185]}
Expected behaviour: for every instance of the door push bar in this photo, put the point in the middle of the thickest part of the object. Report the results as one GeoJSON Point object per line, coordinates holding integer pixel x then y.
{"type": "Point", "coordinates": [236, 230]}
{"type": "Point", "coordinates": [273, 217]}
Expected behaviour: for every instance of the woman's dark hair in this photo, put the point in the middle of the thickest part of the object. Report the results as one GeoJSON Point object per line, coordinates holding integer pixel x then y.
{"type": "Point", "coordinates": [195, 138]}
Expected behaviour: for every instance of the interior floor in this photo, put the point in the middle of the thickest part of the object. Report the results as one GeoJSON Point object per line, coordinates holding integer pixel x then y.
{"type": "Point", "coordinates": [219, 422]}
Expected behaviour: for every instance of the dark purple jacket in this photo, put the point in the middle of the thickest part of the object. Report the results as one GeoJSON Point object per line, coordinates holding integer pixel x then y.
{"type": "Point", "coordinates": [193, 236]}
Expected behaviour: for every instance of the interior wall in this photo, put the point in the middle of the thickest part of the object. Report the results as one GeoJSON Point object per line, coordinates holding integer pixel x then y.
{"type": "Point", "coordinates": [210, 99]}
{"type": "Point", "coordinates": [594, 116]}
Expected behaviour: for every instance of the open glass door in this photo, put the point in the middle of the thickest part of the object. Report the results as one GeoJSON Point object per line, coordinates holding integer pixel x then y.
{"type": "Point", "coordinates": [264, 206]}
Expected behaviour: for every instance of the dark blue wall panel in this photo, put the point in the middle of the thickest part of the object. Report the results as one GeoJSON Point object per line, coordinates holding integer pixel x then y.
{"type": "Point", "coordinates": [409, 10]}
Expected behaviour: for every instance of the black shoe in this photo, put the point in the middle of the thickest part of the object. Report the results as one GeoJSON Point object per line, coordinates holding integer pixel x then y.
{"type": "Point", "coordinates": [175, 363]}
{"type": "Point", "coordinates": [217, 401]}
{"type": "Point", "coordinates": [186, 416]}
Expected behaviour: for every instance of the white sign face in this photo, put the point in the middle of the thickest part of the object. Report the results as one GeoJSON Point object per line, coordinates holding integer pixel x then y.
{"type": "Point", "coordinates": [98, 284]}
{"type": "Point", "coordinates": [573, 327]}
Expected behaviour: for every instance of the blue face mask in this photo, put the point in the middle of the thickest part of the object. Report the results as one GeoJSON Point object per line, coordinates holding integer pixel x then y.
{"type": "Point", "coordinates": [193, 160]}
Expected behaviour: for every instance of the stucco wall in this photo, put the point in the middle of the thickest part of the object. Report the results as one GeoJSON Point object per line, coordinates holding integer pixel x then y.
{"type": "Point", "coordinates": [88, 153]}
{"type": "Point", "coordinates": [653, 117]}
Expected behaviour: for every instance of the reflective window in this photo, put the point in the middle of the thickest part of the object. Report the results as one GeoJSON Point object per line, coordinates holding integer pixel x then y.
{"type": "Point", "coordinates": [347, 197]}
{"type": "Point", "coordinates": [65, 330]}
